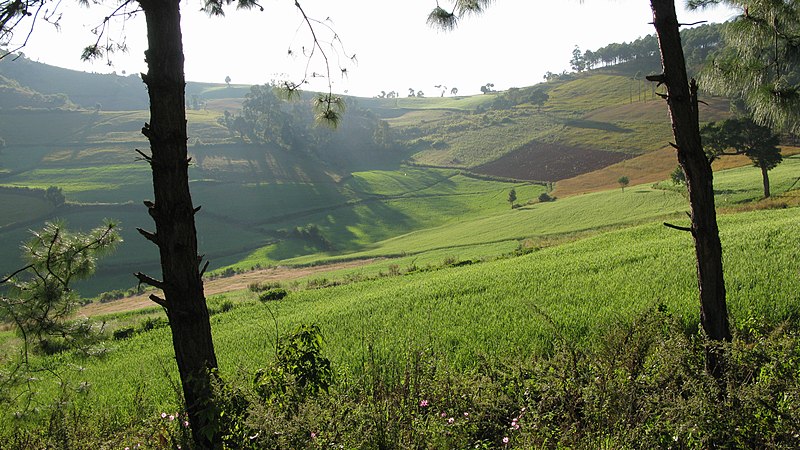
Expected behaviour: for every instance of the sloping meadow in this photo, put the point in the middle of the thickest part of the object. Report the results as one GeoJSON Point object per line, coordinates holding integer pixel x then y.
{"type": "Point", "coordinates": [506, 311]}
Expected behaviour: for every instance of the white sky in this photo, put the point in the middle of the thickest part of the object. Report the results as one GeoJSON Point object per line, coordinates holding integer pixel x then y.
{"type": "Point", "coordinates": [513, 44]}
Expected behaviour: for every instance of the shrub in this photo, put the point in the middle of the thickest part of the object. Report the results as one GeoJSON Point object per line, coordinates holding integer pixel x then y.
{"type": "Point", "coordinates": [151, 323]}
{"type": "Point", "coordinates": [273, 294]}
{"type": "Point", "coordinates": [123, 333]}
{"type": "Point", "coordinates": [545, 197]}
{"type": "Point", "coordinates": [260, 287]}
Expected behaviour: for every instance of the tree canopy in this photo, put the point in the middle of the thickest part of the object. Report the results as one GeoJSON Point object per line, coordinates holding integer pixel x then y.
{"type": "Point", "coordinates": [759, 62]}
{"type": "Point", "coordinates": [742, 136]}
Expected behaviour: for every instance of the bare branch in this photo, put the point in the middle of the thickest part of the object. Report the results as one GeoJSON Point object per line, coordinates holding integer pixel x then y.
{"type": "Point", "coordinates": [149, 280]}
{"type": "Point", "coordinates": [158, 301]}
{"type": "Point", "coordinates": [152, 237]}
{"type": "Point", "coordinates": [679, 228]}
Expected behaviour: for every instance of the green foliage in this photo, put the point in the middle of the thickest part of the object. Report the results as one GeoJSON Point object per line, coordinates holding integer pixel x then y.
{"type": "Point", "coordinates": [743, 136]}
{"type": "Point", "coordinates": [677, 176]}
{"type": "Point", "coordinates": [512, 196]}
{"type": "Point", "coordinates": [545, 197]}
{"type": "Point", "coordinates": [54, 195]}
{"type": "Point", "coordinates": [39, 299]}
{"type": "Point", "coordinates": [623, 182]}
{"type": "Point", "coordinates": [300, 369]}
{"type": "Point", "coordinates": [759, 61]}
{"type": "Point", "coordinates": [577, 62]}
{"type": "Point", "coordinates": [273, 295]}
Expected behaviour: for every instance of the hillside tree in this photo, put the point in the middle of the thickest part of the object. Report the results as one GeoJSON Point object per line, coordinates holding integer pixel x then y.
{"type": "Point", "coordinates": [623, 182]}
{"type": "Point", "coordinates": [577, 62]}
{"type": "Point", "coordinates": [512, 197]}
{"type": "Point", "coordinates": [682, 103]}
{"type": "Point", "coordinates": [744, 137]}
{"type": "Point", "coordinates": [172, 210]}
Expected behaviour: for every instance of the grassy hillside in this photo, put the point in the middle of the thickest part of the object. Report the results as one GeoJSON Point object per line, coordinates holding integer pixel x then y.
{"type": "Point", "coordinates": [365, 199]}
{"type": "Point", "coordinates": [470, 314]}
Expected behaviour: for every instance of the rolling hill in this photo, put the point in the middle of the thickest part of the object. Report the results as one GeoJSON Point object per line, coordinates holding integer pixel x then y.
{"type": "Point", "coordinates": [457, 156]}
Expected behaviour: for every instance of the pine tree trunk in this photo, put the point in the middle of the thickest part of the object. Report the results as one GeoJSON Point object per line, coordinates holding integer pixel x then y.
{"type": "Point", "coordinates": [765, 179]}
{"type": "Point", "coordinates": [683, 112]}
{"type": "Point", "coordinates": [173, 214]}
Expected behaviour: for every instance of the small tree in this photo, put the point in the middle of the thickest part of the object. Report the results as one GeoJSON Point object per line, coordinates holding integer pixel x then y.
{"type": "Point", "coordinates": [623, 182]}
{"type": "Point", "coordinates": [39, 299]}
{"type": "Point", "coordinates": [454, 91]}
{"type": "Point", "coordinates": [677, 176]}
{"type": "Point", "coordinates": [228, 81]}
{"type": "Point", "coordinates": [512, 197]}
{"type": "Point", "coordinates": [577, 62]}
{"type": "Point", "coordinates": [54, 195]}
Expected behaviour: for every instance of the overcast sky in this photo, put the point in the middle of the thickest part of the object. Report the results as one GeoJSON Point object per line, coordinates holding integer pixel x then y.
{"type": "Point", "coordinates": [513, 44]}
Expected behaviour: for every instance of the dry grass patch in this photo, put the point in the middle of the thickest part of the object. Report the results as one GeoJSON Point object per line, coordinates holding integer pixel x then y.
{"type": "Point", "coordinates": [648, 168]}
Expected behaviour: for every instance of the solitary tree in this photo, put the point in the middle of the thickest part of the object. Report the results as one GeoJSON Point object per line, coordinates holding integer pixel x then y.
{"type": "Point", "coordinates": [683, 108]}
{"type": "Point", "coordinates": [623, 182]}
{"type": "Point", "coordinates": [512, 197]}
{"type": "Point", "coordinates": [55, 196]}
{"type": "Point", "coordinates": [228, 81]}
{"type": "Point", "coordinates": [454, 91]}
{"type": "Point", "coordinates": [744, 137]}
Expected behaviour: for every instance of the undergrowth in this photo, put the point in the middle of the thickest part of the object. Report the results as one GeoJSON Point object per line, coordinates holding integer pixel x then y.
{"type": "Point", "coordinates": [641, 385]}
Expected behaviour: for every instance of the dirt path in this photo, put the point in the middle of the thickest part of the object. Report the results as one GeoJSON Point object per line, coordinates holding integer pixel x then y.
{"type": "Point", "coordinates": [222, 285]}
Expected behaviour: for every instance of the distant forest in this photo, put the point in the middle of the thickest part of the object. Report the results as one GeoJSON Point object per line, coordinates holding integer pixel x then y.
{"type": "Point", "coordinates": [698, 44]}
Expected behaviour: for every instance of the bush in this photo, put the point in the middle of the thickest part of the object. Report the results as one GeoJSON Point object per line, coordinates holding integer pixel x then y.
{"type": "Point", "coordinates": [260, 287]}
{"type": "Point", "coordinates": [273, 295]}
{"type": "Point", "coordinates": [151, 323]}
{"type": "Point", "coordinates": [545, 197]}
{"type": "Point", "coordinates": [124, 333]}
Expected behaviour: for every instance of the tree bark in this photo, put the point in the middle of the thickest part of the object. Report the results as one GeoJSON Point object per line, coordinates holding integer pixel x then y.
{"type": "Point", "coordinates": [683, 110]}
{"type": "Point", "coordinates": [173, 214]}
{"type": "Point", "coordinates": [765, 179]}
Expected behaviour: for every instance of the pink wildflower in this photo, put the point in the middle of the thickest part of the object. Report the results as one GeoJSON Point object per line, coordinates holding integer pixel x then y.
{"type": "Point", "coordinates": [313, 435]}
{"type": "Point", "coordinates": [505, 440]}
{"type": "Point", "coordinates": [185, 424]}
{"type": "Point", "coordinates": [451, 420]}
{"type": "Point", "coordinates": [466, 414]}
{"type": "Point", "coordinates": [444, 414]}
{"type": "Point", "coordinates": [423, 403]}
{"type": "Point", "coordinates": [171, 417]}
{"type": "Point", "coordinates": [163, 415]}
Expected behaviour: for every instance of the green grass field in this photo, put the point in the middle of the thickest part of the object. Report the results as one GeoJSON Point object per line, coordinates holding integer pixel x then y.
{"type": "Point", "coordinates": [490, 310]}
